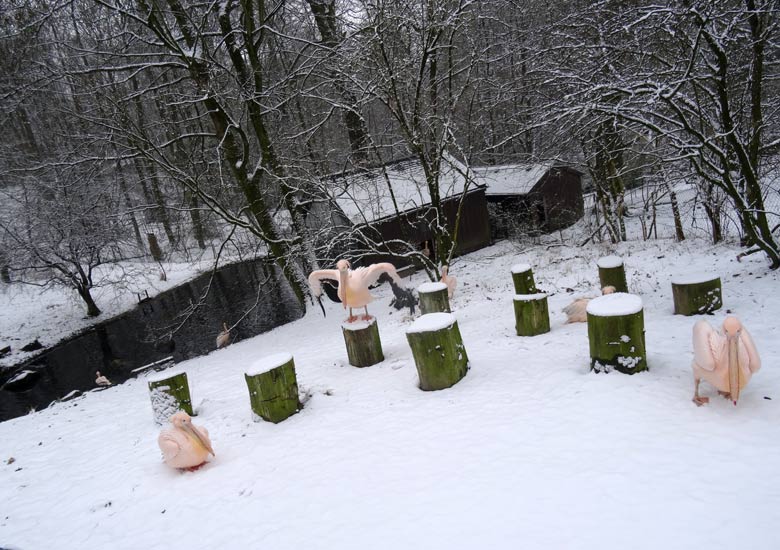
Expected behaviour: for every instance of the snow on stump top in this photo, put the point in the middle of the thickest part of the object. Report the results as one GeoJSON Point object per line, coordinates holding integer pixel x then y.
{"type": "Point", "coordinates": [523, 279]}
{"type": "Point", "coordinates": [364, 347]}
{"type": "Point", "coordinates": [273, 388]}
{"type": "Point", "coordinates": [612, 272]}
{"type": "Point", "coordinates": [616, 333]}
{"type": "Point", "coordinates": [169, 392]}
{"type": "Point", "coordinates": [532, 316]}
{"type": "Point", "coordinates": [616, 304]}
{"type": "Point", "coordinates": [696, 293]}
{"type": "Point", "coordinates": [433, 298]}
{"type": "Point", "coordinates": [438, 351]}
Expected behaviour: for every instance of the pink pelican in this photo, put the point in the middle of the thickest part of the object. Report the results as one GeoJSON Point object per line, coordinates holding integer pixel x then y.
{"type": "Point", "coordinates": [448, 280]}
{"type": "Point", "coordinates": [223, 338]}
{"type": "Point", "coordinates": [184, 445]}
{"type": "Point", "coordinates": [575, 311]}
{"type": "Point", "coordinates": [101, 380]}
{"type": "Point", "coordinates": [727, 360]}
{"type": "Point", "coordinates": [353, 285]}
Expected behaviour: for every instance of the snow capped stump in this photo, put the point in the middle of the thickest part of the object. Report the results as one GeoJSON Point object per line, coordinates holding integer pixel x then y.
{"type": "Point", "coordinates": [523, 278]}
{"type": "Point", "coordinates": [696, 293]}
{"type": "Point", "coordinates": [170, 393]}
{"type": "Point", "coordinates": [532, 316]}
{"type": "Point", "coordinates": [273, 388]}
{"type": "Point", "coordinates": [612, 273]}
{"type": "Point", "coordinates": [364, 348]}
{"type": "Point", "coordinates": [433, 298]}
{"type": "Point", "coordinates": [616, 330]}
{"type": "Point", "coordinates": [438, 350]}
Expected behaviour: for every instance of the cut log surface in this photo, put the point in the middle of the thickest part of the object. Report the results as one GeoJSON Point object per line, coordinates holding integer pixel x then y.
{"type": "Point", "coordinates": [364, 347]}
{"type": "Point", "coordinates": [523, 279]}
{"type": "Point", "coordinates": [697, 293]}
{"type": "Point", "coordinates": [532, 316]}
{"type": "Point", "coordinates": [438, 351]}
{"type": "Point", "coordinates": [433, 298]}
{"type": "Point", "coordinates": [169, 393]}
{"type": "Point", "coordinates": [616, 333]}
{"type": "Point", "coordinates": [273, 388]}
{"type": "Point", "coordinates": [612, 272]}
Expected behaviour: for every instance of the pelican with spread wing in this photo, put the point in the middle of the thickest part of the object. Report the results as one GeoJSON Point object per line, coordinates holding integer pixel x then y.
{"type": "Point", "coordinates": [353, 285]}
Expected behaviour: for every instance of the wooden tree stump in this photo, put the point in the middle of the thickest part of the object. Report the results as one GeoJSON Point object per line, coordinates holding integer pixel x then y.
{"type": "Point", "coordinates": [616, 330]}
{"type": "Point", "coordinates": [612, 273]}
{"type": "Point", "coordinates": [433, 298]}
{"type": "Point", "coordinates": [273, 388]}
{"type": "Point", "coordinates": [364, 348]}
{"type": "Point", "coordinates": [170, 393]}
{"type": "Point", "coordinates": [438, 350]}
{"type": "Point", "coordinates": [523, 278]}
{"type": "Point", "coordinates": [532, 316]}
{"type": "Point", "coordinates": [696, 293]}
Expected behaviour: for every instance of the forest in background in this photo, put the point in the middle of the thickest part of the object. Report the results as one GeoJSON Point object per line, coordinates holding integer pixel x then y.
{"type": "Point", "coordinates": [215, 124]}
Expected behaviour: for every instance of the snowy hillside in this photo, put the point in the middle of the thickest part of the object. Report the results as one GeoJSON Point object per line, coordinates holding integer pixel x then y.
{"type": "Point", "coordinates": [529, 450]}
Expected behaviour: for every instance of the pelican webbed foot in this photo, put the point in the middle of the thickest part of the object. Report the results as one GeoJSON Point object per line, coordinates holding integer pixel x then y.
{"type": "Point", "coordinates": [700, 400]}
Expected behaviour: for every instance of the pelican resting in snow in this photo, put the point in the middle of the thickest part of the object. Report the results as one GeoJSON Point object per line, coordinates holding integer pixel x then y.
{"type": "Point", "coordinates": [726, 360]}
{"type": "Point", "coordinates": [575, 311]}
{"type": "Point", "coordinates": [353, 286]}
{"type": "Point", "coordinates": [223, 338]}
{"type": "Point", "coordinates": [184, 445]}
{"type": "Point", "coordinates": [448, 280]}
{"type": "Point", "coordinates": [101, 380]}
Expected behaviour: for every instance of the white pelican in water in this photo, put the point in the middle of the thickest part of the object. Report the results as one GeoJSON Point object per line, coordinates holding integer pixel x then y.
{"type": "Point", "coordinates": [101, 380]}
{"type": "Point", "coordinates": [184, 445]}
{"type": "Point", "coordinates": [727, 360]}
{"type": "Point", "coordinates": [353, 285]}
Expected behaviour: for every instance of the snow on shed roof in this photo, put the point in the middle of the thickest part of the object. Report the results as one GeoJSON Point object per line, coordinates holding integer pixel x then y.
{"type": "Point", "coordinates": [510, 179]}
{"type": "Point", "coordinates": [364, 195]}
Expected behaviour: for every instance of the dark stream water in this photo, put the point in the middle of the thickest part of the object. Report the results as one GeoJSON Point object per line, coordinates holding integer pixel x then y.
{"type": "Point", "coordinates": [254, 290]}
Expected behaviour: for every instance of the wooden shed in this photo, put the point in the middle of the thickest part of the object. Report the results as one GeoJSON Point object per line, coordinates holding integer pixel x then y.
{"type": "Point", "coordinates": [391, 203]}
{"type": "Point", "coordinates": [531, 198]}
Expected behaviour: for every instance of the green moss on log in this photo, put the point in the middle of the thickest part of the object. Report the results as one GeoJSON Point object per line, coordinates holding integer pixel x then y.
{"type": "Point", "coordinates": [613, 276]}
{"type": "Point", "coordinates": [434, 302]}
{"type": "Point", "coordinates": [532, 317]}
{"type": "Point", "coordinates": [364, 348]}
{"type": "Point", "coordinates": [440, 357]}
{"type": "Point", "coordinates": [697, 298]}
{"type": "Point", "coordinates": [524, 282]}
{"type": "Point", "coordinates": [273, 394]}
{"type": "Point", "coordinates": [617, 343]}
{"type": "Point", "coordinates": [170, 395]}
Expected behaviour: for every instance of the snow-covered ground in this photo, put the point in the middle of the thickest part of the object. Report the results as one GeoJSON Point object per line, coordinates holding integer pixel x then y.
{"type": "Point", "coordinates": [529, 450]}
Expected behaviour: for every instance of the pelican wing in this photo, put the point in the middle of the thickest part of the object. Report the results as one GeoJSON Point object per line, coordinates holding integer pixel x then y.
{"type": "Point", "coordinates": [746, 344]}
{"type": "Point", "coordinates": [707, 345]}
{"type": "Point", "coordinates": [315, 278]}
{"type": "Point", "coordinates": [169, 445]}
{"type": "Point", "coordinates": [367, 276]}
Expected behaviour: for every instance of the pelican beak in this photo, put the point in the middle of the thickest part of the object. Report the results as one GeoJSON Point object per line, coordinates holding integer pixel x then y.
{"type": "Point", "coordinates": [195, 434]}
{"type": "Point", "coordinates": [733, 343]}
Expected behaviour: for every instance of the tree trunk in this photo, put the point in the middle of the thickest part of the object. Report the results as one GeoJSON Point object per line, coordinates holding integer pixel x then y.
{"type": "Point", "coordinates": [612, 273]}
{"type": "Point", "coordinates": [433, 298]}
{"type": "Point", "coordinates": [617, 341]}
{"type": "Point", "coordinates": [92, 309]}
{"type": "Point", "coordinates": [170, 393]}
{"type": "Point", "coordinates": [523, 279]}
{"type": "Point", "coordinates": [532, 315]}
{"type": "Point", "coordinates": [364, 348]}
{"type": "Point", "coordinates": [697, 295]}
{"type": "Point", "coordinates": [438, 351]}
{"type": "Point", "coordinates": [273, 388]}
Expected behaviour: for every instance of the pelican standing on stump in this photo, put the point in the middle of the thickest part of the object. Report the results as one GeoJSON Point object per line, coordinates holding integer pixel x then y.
{"type": "Point", "coordinates": [576, 311]}
{"type": "Point", "coordinates": [448, 280]}
{"type": "Point", "coordinates": [354, 286]}
{"type": "Point", "coordinates": [184, 445]}
{"type": "Point", "coordinates": [726, 360]}
{"type": "Point", "coordinates": [101, 380]}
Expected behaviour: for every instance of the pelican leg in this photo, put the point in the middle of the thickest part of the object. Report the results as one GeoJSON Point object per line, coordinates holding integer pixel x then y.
{"type": "Point", "coordinates": [696, 397]}
{"type": "Point", "coordinates": [351, 318]}
{"type": "Point", "coordinates": [725, 394]}
{"type": "Point", "coordinates": [366, 317]}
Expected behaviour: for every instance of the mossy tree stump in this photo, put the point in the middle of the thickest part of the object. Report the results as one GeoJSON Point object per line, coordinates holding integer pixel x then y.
{"type": "Point", "coordinates": [612, 272]}
{"type": "Point", "coordinates": [364, 348]}
{"type": "Point", "coordinates": [532, 315]}
{"type": "Point", "coordinates": [273, 388]}
{"type": "Point", "coordinates": [523, 278]}
{"type": "Point", "coordinates": [616, 331]}
{"type": "Point", "coordinates": [170, 393]}
{"type": "Point", "coordinates": [433, 298]}
{"type": "Point", "coordinates": [696, 293]}
{"type": "Point", "coordinates": [438, 351]}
